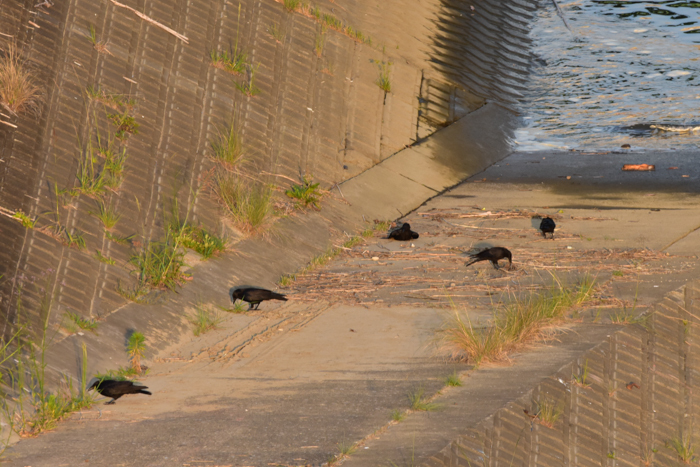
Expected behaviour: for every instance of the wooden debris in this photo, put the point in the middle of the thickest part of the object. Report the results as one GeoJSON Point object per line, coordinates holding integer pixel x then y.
{"type": "Point", "coordinates": [638, 167]}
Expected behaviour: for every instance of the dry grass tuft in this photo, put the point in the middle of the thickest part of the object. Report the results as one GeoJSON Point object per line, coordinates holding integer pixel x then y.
{"type": "Point", "coordinates": [17, 89]}
{"type": "Point", "coordinates": [515, 324]}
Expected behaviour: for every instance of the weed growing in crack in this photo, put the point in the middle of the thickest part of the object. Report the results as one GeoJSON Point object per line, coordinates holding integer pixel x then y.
{"type": "Point", "coordinates": [305, 194]}
{"type": "Point", "coordinates": [581, 380]}
{"type": "Point", "coordinates": [104, 259]}
{"type": "Point", "coordinates": [248, 204]}
{"type": "Point", "coordinates": [136, 349]}
{"type": "Point", "coordinates": [384, 82]}
{"type": "Point", "coordinates": [107, 214]}
{"type": "Point", "coordinates": [398, 415]}
{"type": "Point", "coordinates": [73, 323]}
{"type": "Point", "coordinates": [204, 320]}
{"type": "Point", "coordinates": [24, 219]}
{"type": "Point", "coordinates": [227, 146]}
{"type": "Point", "coordinates": [453, 379]}
{"type": "Point", "coordinates": [418, 402]}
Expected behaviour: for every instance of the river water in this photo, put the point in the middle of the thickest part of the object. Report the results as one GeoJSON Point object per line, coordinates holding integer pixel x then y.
{"type": "Point", "coordinates": [623, 67]}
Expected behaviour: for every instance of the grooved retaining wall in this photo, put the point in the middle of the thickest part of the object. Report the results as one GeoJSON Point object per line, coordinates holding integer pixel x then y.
{"type": "Point", "coordinates": [605, 424]}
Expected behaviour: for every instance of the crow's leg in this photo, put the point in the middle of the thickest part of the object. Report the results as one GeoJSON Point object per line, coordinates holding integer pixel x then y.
{"type": "Point", "coordinates": [495, 265]}
{"type": "Point", "coordinates": [110, 402]}
{"type": "Point", "coordinates": [544, 234]}
{"type": "Point", "coordinates": [250, 306]}
{"type": "Point", "coordinates": [257, 305]}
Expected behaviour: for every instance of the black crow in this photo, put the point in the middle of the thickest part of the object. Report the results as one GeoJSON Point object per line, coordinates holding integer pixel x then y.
{"type": "Point", "coordinates": [254, 296]}
{"type": "Point", "coordinates": [492, 254]}
{"type": "Point", "coordinates": [547, 226]}
{"type": "Point", "coordinates": [116, 389]}
{"type": "Point", "coordinates": [403, 232]}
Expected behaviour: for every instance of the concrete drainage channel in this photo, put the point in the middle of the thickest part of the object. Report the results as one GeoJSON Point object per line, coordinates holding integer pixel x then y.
{"type": "Point", "coordinates": [198, 419]}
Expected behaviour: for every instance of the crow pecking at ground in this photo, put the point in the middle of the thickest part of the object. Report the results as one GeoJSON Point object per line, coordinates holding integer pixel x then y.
{"type": "Point", "coordinates": [547, 226]}
{"type": "Point", "coordinates": [403, 232]}
{"type": "Point", "coordinates": [492, 254]}
{"type": "Point", "coordinates": [254, 296]}
{"type": "Point", "coordinates": [116, 389]}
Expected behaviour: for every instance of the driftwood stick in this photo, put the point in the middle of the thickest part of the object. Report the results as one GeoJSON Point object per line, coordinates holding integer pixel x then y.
{"type": "Point", "coordinates": [152, 21]}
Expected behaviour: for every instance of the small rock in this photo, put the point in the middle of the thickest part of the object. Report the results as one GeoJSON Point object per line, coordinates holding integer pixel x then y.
{"type": "Point", "coordinates": [625, 146]}
{"type": "Point", "coordinates": [413, 245]}
{"type": "Point", "coordinates": [569, 248]}
{"type": "Point", "coordinates": [375, 258]}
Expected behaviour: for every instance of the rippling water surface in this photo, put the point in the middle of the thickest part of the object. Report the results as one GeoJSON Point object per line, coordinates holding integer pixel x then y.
{"type": "Point", "coordinates": [624, 67]}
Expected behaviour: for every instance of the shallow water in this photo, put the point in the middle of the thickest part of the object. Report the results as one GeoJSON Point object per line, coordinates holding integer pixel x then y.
{"type": "Point", "coordinates": [623, 67]}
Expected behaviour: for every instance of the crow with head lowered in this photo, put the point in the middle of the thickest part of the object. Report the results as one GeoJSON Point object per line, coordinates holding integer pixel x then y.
{"type": "Point", "coordinates": [547, 226]}
{"type": "Point", "coordinates": [492, 254]}
{"type": "Point", "coordinates": [403, 232]}
{"type": "Point", "coordinates": [255, 295]}
{"type": "Point", "coordinates": [116, 389]}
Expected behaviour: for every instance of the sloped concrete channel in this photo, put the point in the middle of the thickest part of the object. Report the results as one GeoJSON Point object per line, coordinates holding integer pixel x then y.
{"type": "Point", "coordinates": [458, 71]}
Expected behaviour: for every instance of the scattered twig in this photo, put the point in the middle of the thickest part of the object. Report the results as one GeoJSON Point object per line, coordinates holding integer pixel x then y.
{"type": "Point", "coordinates": [152, 21]}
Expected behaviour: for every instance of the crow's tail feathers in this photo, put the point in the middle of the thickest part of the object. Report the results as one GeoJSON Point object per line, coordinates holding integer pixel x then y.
{"type": "Point", "coordinates": [474, 260]}
{"type": "Point", "coordinates": [143, 391]}
{"type": "Point", "coordinates": [278, 296]}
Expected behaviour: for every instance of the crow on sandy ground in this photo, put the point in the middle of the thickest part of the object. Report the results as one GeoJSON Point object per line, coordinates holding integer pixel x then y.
{"type": "Point", "coordinates": [116, 389]}
{"type": "Point", "coordinates": [492, 254]}
{"type": "Point", "coordinates": [547, 226]}
{"type": "Point", "coordinates": [254, 296]}
{"type": "Point", "coordinates": [402, 232]}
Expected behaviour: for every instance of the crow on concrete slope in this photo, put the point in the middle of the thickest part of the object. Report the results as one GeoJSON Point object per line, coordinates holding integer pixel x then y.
{"type": "Point", "coordinates": [547, 226]}
{"type": "Point", "coordinates": [492, 254]}
{"type": "Point", "coordinates": [255, 295]}
{"type": "Point", "coordinates": [403, 232]}
{"type": "Point", "coordinates": [116, 389]}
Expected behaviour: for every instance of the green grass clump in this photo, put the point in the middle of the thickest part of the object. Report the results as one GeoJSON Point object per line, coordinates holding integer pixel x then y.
{"type": "Point", "coordinates": [453, 379]}
{"type": "Point", "coordinates": [72, 322]}
{"type": "Point", "coordinates": [332, 22]}
{"type": "Point", "coordinates": [107, 214]}
{"type": "Point", "coordinates": [383, 81]}
{"type": "Point", "coordinates": [234, 63]}
{"type": "Point", "coordinates": [683, 446]}
{"type": "Point", "coordinates": [204, 320]}
{"type": "Point", "coordinates": [227, 146]}
{"type": "Point", "coordinates": [514, 324]}
{"type": "Point", "coordinates": [201, 241]}
{"type": "Point", "coordinates": [248, 204]}
{"type": "Point", "coordinates": [398, 415]}
{"type": "Point", "coordinates": [104, 259]}
{"type": "Point", "coordinates": [291, 5]}
{"type": "Point", "coordinates": [248, 86]}
{"type": "Point", "coordinates": [305, 194]}
{"type": "Point", "coordinates": [75, 240]}
{"type": "Point", "coordinates": [136, 349]}
{"type": "Point", "coordinates": [158, 265]}
{"type": "Point", "coordinates": [24, 219]}
{"type": "Point", "coordinates": [418, 403]}
{"type": "Point", "coordinates": [581, 379]}
{"type": "Point", "coordinates": [125, 123]}
{"type": "Point", "coordinates": [276, 32]}
{"type": "Point", "coordinates": [548, 413]}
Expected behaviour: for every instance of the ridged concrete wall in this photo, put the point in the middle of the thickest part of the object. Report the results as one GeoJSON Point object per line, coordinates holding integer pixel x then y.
{"type": "Point", "coordinates": [448, 58]}
{"type": "Point", "coordinates": [607, 423]}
